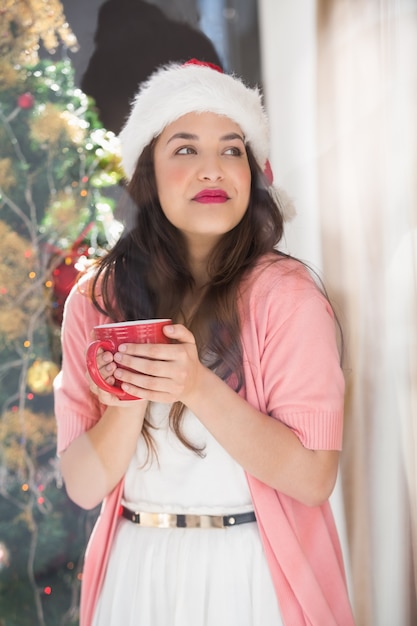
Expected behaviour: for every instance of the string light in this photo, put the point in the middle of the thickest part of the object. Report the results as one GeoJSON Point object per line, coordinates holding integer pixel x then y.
{"type": "Point", "coordinates": [4, 556]}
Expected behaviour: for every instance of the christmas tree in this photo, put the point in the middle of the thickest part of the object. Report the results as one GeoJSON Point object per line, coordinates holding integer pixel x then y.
{"type": "Point", "coordinates": [56, 215]}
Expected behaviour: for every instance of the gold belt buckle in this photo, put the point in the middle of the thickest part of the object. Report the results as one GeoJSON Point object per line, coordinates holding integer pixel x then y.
{"type": "Point", "coordinates": [204, 521]}
{"type": "Point", "coordinates": [158, 520]}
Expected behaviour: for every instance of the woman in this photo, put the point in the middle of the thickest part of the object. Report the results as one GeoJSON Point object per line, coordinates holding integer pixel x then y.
{"type": "Point", "coordinates": [240, 418]}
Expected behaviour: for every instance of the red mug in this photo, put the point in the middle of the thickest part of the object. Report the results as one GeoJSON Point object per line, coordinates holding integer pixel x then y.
{"type": "Point", "coordinates": [110, 336]}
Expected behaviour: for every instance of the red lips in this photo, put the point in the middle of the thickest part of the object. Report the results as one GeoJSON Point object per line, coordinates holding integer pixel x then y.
{"type": "Point", "coordinates": [211, 196]}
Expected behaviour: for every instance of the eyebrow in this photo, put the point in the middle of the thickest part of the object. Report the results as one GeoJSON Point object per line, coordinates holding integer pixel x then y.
{"type": "Point", "coordinates": [191, 137]}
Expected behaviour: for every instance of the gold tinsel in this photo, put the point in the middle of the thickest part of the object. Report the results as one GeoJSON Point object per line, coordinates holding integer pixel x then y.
{"type": "Point", "coordinates": [16, 262]}
{"type": "Point", "coordinates": [65, 210]}
{"type": "Point", "coordinates": [24, 24]}
{"type": "Point", "coordinates": [13, 324]}
{"type": "Point", "coordinates": [19, 297]}
{"type": "Point", "coordinates": [36, 428]}
{"type": "Point", "coordinates": [7, 178]}
{"type": "Point", "coordinates": [9, 76]}
{"type": "Point", "coordinates": [50, 124]}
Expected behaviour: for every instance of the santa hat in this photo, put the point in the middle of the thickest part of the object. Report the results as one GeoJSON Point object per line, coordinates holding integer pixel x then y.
{"type": "Point", "coordinates": [177, 89]}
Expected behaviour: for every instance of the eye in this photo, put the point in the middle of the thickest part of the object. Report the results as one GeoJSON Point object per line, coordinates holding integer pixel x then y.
{"type": "Point", "coordinates": [233, 151]}
{"type": "Point", "coordinates": [186, 150]}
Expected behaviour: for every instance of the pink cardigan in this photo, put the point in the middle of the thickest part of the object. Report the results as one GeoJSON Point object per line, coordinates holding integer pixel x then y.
{"type": "Point", "coordinates": [292, 372]}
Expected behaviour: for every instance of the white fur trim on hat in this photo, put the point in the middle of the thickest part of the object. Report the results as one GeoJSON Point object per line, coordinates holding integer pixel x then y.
{"type": "Point", "coordinates": [174, 90]}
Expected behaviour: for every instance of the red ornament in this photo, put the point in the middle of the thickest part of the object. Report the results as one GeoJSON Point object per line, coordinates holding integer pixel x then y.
{"type": "Point", "coordinates": [65, 273]}
{"type": "Point", "coordinates": [25, 100]}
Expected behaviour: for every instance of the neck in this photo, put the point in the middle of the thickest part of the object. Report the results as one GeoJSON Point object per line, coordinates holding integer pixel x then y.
{"type": "Point", "coordinates": [200, 275]}
{"type": "Point", "coordinates": [198, 255]}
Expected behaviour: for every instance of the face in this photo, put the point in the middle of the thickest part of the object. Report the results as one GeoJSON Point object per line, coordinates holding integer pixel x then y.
{"type": "Point", "coordinates": [202, 175]}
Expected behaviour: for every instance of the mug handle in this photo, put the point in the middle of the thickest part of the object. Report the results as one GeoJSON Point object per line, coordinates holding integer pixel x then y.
{"type": "Point", "coordinates": [91, 358]}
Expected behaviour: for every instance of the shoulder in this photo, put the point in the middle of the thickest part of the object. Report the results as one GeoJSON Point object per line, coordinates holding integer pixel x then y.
{"type": "Point", "coordinates": [278, 278]}
{"type": "Point", "coordinates": [79, 304]}
{"type": "Point", "coordinates": [281, 295]}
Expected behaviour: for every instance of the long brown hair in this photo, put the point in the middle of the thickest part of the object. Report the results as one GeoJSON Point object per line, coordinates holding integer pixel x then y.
{"type": "Point", "coordinates": [146, 274]}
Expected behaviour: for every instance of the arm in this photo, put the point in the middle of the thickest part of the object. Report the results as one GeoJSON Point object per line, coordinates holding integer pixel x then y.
{"type": "Point", "coordinates": [97, 433]}
{"type": "Point", "coordinates": [264, 446]}
{"type": "Point", "coordinates": [97, 460]}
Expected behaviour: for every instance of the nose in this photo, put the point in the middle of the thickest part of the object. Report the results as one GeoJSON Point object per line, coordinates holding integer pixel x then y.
{"type": "Point", "coordinates": [210, 169]}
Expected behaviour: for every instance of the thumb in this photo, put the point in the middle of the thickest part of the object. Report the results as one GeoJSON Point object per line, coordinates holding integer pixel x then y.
{"type": "Point", "coordinates": [179, 333]}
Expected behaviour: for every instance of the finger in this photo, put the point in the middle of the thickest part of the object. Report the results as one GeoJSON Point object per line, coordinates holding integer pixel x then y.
{"type": "Point", "coordinates": [149, 357]}
{"type": "Point", "coordinates": [110, 399]}
{"type": "Point", "coordinates": [141, 380]}
{"type": "Point", "coordinates": [142, 385]}
{"type": "Point", "coordinates": [152, 351]}
{"type": "Point", "coordinates": [136, 365]}
{"type": "Point", "coordinates": [104, 358]}
{"type": "Point", "coordinates": [107, 372]}
{"type": "Point", "coordinates": [179, 332]}
{"type": "Point", "coordinates": [146, 393]}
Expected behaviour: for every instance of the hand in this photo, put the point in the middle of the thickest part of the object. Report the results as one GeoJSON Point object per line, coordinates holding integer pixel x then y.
{"type": "Point", "coordinates": [106, 366]}
{"type": "Point", "coordinates": [162, 372]}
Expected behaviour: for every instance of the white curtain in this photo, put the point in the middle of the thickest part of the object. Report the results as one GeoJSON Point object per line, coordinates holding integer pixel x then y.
{"type": "Point", "coordinates": [340, 80]}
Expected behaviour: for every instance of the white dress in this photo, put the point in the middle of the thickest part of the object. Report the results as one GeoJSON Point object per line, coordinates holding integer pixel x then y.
{"type": "Point", "coordinates": [186, 576]}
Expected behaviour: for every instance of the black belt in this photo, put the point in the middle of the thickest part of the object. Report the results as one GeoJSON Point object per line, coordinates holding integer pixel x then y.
{"type": "Point", "coordinates": [171, 520]}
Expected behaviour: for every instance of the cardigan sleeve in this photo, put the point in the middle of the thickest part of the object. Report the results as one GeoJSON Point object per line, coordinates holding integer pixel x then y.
{"type": "Point", "coordinates": [292, 355]}
{"type": "Point", "coordinates": [76, 408]}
